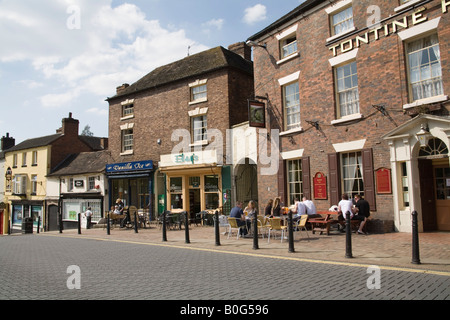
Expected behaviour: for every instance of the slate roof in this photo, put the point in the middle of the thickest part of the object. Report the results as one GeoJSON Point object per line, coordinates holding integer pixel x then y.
{"type": "Point", "coordinates": [93, 142]}
{"type": "Point", "coordinates": [194, 65]}
{"type": "Point", "coordinates": [83, 163]}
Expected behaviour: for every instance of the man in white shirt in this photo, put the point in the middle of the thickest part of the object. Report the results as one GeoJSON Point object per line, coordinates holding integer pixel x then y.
{"type": "Point", "coordinates": [310, 208]}
{"type": "Point", "coordinates": [300, 209]}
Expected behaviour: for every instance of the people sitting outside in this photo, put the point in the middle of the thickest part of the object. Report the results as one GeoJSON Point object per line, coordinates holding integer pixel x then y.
{"type": "Point", "coordinates": [237, 213]}
{"type": "Point", "coordinates": [345, 206]}
{"type": "Point", "coordinates": [363, 212]}
{"type": "Point", "coordinates": [251, 210]}
{"type": "Point", "coordinates": [299, 209]}
{"type": "Point", "coordinates": [276, 211]}
{"type": "Point", "coordinates": [268, 209]}
{"type": "Point", "coordinates": [310, 208]}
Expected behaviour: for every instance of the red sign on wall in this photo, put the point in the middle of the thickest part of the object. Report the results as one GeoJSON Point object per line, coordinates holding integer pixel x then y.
{"type": "Point", "coordinates": [320, 186]}
{"type": "Point", "coordinates": [383, 177]}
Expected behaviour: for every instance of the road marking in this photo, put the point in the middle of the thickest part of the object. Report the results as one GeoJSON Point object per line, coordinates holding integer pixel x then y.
{"type": "Point", "coordinates": [337, 263]}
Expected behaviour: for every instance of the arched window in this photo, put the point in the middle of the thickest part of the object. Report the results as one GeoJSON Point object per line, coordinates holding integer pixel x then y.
{"type": "Point", "coordinates": [435, 147]}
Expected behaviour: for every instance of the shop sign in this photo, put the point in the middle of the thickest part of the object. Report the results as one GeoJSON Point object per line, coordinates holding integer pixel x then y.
{"type": "Point", "coordinates": [257, 114]}
{"type": "Point", "coordinates": [320, 186]}
{"type": "Point", "coordinates": [383, 177]}
{"type": "Point", "coordinates": [129, 166]}
{"type": "Point", "coordinates": [186, 158]}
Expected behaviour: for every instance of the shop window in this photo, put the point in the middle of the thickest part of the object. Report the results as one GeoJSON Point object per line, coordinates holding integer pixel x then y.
{"type": "Point", "coordinates": [176, 192]}
{"type": "Point", "coordinates": [347, 95]}
{"type": "Point", "coordinates": [424, 66]}
{"type": "Point", "coordinates": [211, 191]}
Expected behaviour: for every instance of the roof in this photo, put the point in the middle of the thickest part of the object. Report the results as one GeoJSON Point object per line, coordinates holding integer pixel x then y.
{"type": "Point", "coordinates": [35, 142]}
{"type": "Point", "coordinates": [82, 163]}
{"type": "Point", "coordinates": [92, 142]}
{"type": "Point", "coordinates": [304, 7]}
{"type": "Point", "coordinates": [200, 63]}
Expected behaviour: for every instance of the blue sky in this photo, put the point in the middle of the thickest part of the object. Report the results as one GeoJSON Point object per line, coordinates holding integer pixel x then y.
{"type": "Point", "coordinates": [61, 56]}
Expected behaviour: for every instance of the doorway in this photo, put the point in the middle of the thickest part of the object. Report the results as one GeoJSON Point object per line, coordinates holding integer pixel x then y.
{"type": "Point", "coordinates": [194, 201]}
{"type": "Point", "coordinates": [52, 218]}
{"type": "Point", "coordinates": [442, 186]}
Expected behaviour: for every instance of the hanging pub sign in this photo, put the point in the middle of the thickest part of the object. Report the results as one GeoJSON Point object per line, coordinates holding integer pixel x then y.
{"type": "Point", "coordinates": [383, 180]}
{"type": "Point", "coordinates": [256, 114]}
{"type": "Point", "coordinates": [320, 186]}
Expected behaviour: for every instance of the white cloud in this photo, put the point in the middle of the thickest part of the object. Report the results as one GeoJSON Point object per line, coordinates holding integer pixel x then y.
{"type": "Point", "coordinates": [114, 45]}
{"type": "Point", "coordinates": [255, 14]}
{"type": "Point", "coordinates": [216, 23]}
{"type": "Point", "coordinates": [97, 111]}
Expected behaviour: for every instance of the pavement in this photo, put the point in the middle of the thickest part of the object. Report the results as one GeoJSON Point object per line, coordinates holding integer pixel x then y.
{"type": "Point", "coordinates": [388, 251]}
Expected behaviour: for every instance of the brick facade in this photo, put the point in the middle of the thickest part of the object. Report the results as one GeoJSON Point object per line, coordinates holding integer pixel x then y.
{"type": "Point", "coordinates": [382, 81]}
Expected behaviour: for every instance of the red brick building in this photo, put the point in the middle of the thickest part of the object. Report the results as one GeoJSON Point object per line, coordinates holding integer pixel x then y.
{"type": "Point", "coordinates": [359, 93]}
{"type": "Point", "coordinates": [160, 131]}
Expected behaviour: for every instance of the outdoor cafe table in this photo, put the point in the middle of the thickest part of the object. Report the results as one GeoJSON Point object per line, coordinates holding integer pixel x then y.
{"type": "Point", "coordinates": [323, 224]}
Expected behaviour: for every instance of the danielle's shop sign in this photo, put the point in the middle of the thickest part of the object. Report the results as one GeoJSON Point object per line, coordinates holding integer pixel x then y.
{"type": "Point", "coordinates": [129, 166]}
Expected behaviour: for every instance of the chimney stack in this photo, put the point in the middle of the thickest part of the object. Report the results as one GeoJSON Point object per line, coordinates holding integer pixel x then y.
{"type": "Point", "coordinates": [70, 126]}
{"type": "Point", "coordinates": [242, 49]}
{"type": "Point", "coordinates": [7, 142]}
{"type": "Point", "coordinates": [122, 88]}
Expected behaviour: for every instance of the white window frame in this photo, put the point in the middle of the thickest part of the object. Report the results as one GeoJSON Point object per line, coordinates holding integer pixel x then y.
{"type": "Point", "coordinates": [34, 160]}
{"type": "Point", "coordinates": [359, 169]}
{"type": "Point", "coordinates": [282, 38]}
{"type": "Point", "coordinates": [291, 181]}
{"type": "Point", "coordinates": [335, 9]}
{"type": "Point", "coordinates": [203, 137]}
{"type": "Point", "coordinates": [339, 113]}
{"type": "Point", "coordinates": [296, 125]}
{"type": "Point", "coordinates": [24, 159]}
{"type": "Point", "coordinates": [91, 183]}
{"type": "Point", "coordinates": [127, 141]}
{"type": "Point", "coordinates": [201, 96]}
{"type": "Point", "coordinates": [20, 184]}
{"type": "Point", "coordinates": [34, 183]}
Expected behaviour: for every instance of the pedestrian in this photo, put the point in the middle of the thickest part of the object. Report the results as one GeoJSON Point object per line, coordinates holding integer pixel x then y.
{"type": "Point", "coordinates": [362, 208]}
{"type": "Point", "coordinates": [88, 215]}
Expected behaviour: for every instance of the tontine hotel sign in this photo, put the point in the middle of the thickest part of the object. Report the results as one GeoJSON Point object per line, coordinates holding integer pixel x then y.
{"type": "Point", "coordinates": [417, 17]}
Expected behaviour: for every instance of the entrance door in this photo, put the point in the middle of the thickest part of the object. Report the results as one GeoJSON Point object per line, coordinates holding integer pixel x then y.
{"type": "Point", "coordinates": [1, 221]}
{"type": "Point", "coordinates": [442, 183]}
{"type": "Point", "coordinates": [194, 201]}
{"type": "Point", "coordinates": [52, 218]}
{"type": "Point", "coordinates": [427, 195]}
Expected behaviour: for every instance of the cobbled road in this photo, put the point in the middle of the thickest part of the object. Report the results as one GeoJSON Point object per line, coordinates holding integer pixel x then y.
{"type": "Point", "coordinates": [38, 267]}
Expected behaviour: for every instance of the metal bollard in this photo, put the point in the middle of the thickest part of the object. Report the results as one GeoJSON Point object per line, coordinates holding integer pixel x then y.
{"type": "Point", "coordinates": [135, 223]}
{"type": "Point", "coordinates": [348, 236]}
{"type": "Point", "coordinates": [39, 224]}
{"type": "Point", "coordinates": [255, 232]}
{"type": "Point", "coordinates": [108, 225]}
{"type": "Point", "coordinates": [291, 232]}
{"type": "Point", "coordinates": [60, 223]}
{"type": "Point", "coordinates": [415, 239]}
{"type": "Point", "coordinates": [216, 227]}
{"type": "Point", "coordinates": [79, 223]}
{"type": "Point", "coordinates": [186, 227]}
{"type": "Point", "coordinates": [164, 232]}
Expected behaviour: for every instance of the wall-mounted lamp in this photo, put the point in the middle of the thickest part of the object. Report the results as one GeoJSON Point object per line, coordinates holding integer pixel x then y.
{"type": "Point", "coordinates": [252, 43]}
{"type": "Point", "coordinates": [423, 135]}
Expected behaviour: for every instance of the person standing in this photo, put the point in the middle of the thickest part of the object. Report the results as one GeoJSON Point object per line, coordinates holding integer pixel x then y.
{"type": "Point", "coordinates": [362, 208]}
{"type": "Point", "coordinates": [88, 215]}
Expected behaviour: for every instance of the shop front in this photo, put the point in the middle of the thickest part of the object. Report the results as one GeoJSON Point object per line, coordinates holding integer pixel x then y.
{"type": "Point", "coordinates": [26, 209]}
{"type": "Point", "coordinates": [195, 183]}
{"type": "Point", "coordinates": [132, 182]}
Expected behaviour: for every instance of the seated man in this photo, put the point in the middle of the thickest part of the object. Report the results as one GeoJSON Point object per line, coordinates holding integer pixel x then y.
{"type": "Point", "coordinates": [299, 209]}
{"type": "Point", "coordinates": [310, 208]}
{"type": "Point", "coordinates": [237, 213]}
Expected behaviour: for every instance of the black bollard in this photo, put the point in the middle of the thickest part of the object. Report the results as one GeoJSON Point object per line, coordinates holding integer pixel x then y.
{"type": "Point", "coordinates": [39, 224]}
{"type": "Point", "coordinates": [135, 223]}
{"type": "Point", "coordinates": [415, 239]}
{"type": "Point", "coordinates": [60, 223]}
{"type": "Point", "coordinates": [79, 223]}
{"type": "Point", "coordinates": [108, 225]}
{"type": "Point", "coordinates": [255, 232]}
{"type": "Point", "coordinates": [216, 227]}
{"type": "Point", "coordinates": [164, 231]}
{"type": "Point", "coordinates": [186, 227]}
{"type": "Point", "coordinates": [348, 236]}
{"type": "Point", "coordinates": [291, 232]}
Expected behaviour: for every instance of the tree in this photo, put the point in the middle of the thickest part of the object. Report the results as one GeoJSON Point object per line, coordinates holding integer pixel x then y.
{"type": "Point", "coordinates": [87, 131]}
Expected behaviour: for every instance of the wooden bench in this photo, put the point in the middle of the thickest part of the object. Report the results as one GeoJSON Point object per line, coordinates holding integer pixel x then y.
{"type": "Point", "coordinates": [323, 224]}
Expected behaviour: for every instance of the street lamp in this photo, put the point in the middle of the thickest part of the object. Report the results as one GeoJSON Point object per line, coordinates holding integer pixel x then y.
{"type": "Point", "coordinates": [252, 43]}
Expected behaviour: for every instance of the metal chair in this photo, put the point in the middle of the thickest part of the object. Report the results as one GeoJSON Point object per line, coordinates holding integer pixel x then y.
{"type": "Point", "coordinates": [301, 224]}
{"type": "Point", "coordinates": [234, 226]}
{"type": "Point", "coordinates": [275, 225]}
